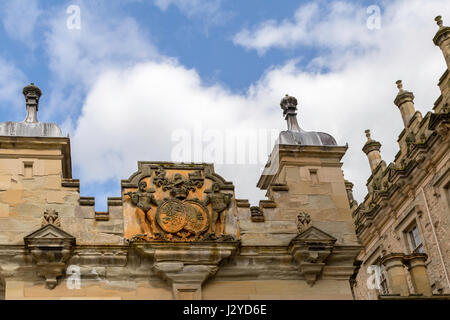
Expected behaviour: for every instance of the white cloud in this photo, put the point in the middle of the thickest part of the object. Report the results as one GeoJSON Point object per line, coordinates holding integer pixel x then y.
{"type": "Point", "coordinates": [12, 81]}
{"type": "Point", "coordinates": [130, 113]}
{"type": "Point", "coordinates": [335, 25]}
{"type": "Point", "coordinates": [20, 18]}
{"type": "Point", "coordinates": [210, 12]}
{"type": "Point", "coordinates": [190, 7]}
{"type": "Point", "coordinates": [358, 91]}
{"type": "Point", "coordinates": [135, 111]}
{"type": "Point", "coordinates": [78, 57]}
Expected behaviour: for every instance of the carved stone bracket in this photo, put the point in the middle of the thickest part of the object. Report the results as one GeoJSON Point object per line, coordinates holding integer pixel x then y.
{"type": "Point", "coordinates": [310, 249]}
{"type": "Point", "coordinates": [186, 266]}
{"type": "Point", "coordinates": [50, 248]}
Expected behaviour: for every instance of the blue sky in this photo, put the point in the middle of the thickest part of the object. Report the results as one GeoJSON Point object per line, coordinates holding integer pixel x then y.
{"type": "Point", "coordinates": [137, 71]}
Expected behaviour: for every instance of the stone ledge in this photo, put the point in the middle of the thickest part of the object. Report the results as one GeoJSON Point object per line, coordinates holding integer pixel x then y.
{"type": "Point", "coordinates": [242, 203]}
{"type": "Point", "coordinates": [114, 201]}
{"type": "Point", "coordinates": [101, 216]}
{"type": "Point", "coordinates": [267, 204]}
{"type": "Point", "coordinates": [71, 183]}
{"type": "Point", "coordinates": [87, 201]}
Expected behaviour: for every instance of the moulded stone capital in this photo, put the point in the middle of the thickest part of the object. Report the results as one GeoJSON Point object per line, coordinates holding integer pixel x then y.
{"type": "Point", "coordinates": [371, 146]}
{"type": "Point", "coordinates": [403, 97]}
{"type": "Point", "coordinates": [392, 260]}
{"type": "Point", "coordinates": [416, 260]}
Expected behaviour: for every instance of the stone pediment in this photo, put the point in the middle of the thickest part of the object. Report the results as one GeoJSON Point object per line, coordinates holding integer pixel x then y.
{"type": "Point", "coordinates": [50, 234]}
{"type": "Point", "coordinates": [50, 248]}
{"type": "Point", "coordinates": [310, 249]}
{"type": "Point", "coordinates": [313, 234]}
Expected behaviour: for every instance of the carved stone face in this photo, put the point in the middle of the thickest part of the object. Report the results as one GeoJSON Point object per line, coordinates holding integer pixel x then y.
{"type": "Point", "coordinates": [142, 186]}
{"type": "Point", "coordinates": [177, 179]}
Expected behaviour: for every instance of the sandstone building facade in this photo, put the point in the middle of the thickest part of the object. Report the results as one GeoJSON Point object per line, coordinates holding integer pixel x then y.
{"type": "Point", "coordinates": [179, 231]}
{"type": "Point", "coordinates": [404, 221]}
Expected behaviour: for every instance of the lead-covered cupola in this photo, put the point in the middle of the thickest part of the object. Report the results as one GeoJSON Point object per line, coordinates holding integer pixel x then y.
{"type": "Point", "coordinates": [30, 127]}
{"type": "Point", "coordinates": [294, 135]}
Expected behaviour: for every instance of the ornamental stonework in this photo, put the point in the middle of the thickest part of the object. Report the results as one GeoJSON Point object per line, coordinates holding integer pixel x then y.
{"type": "Point", "coordinates": [178, 204]}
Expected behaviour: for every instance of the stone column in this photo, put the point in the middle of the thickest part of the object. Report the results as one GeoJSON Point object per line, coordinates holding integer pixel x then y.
{"type": "Point", "coordinates": [442, 39]}
{"type": "Point", "coordinates": [372, 149]}
{"type": "Point", "coordinates": [405, 102]}
{"type": "Point", "coordinates": [397, 279]}
{"type": "Point", "coordinates": [418, 272]}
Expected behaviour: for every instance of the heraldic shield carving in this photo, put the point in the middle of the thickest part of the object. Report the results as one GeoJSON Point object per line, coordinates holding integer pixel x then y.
{"type": "Point", "coordinates": [178, 202]}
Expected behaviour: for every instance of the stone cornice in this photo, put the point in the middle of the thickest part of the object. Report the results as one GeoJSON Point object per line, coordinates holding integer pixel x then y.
{"type": "Point", "coordinates": [284, 154]}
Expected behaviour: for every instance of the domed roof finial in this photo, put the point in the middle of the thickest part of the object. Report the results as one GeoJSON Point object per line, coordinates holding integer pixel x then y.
{"type": "Point", "coordinates": [32, 94]}
{"type": "Point", "coordinates": [32, 89]}
{"type": "Point", "coordinates": [30, 126]}
{"type": "Point", "coordinates": [294, 134]}
{"type": "Point", "coordinates": [288, 104]}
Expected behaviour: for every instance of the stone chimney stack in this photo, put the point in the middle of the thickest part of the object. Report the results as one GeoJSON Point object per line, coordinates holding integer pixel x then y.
{"type": "Point", "coordinates": [405, 102]}
{"type": "Point", "coordinates": [32, 94]}
{"type": "Point", "coordinates": [442, 39]}
{"type": "Point", "coordinates": [372, 150]}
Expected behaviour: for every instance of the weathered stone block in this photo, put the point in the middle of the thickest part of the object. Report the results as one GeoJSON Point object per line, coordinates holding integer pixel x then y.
{"type": "Point", "coordinates": [4, 210]}
{"type": "Point", "coordinates": [56, 196]}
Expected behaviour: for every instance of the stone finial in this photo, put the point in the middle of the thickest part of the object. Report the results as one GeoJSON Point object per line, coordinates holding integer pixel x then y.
{"type": "Point", "coordinates": [370, 144]}
{"type": "Point", "coordinates": [289, 106]}
{"type": "Point", "coordinates": [399, 85]}
{"type": "Point", "coordinates": [32, 94]}
{"type": "Point", "coordinates": [372, 149]}
{"type": "Point", "coordinates": [439, 21]}
{"type": "Point", "coordinates": [405, 102]}
{"type": "Point", "coordinates": [442, 39]}
{"type": "Point", "coordinates": [367, 131]}
{"type": "Point", "coordinates": [288, 103]}
{"type": "Point", "coordinates": [303, 221]}
{"type": "Point", "coordinates": [32, 89]}
{"type": "Point", "coordinates": [51, 217]}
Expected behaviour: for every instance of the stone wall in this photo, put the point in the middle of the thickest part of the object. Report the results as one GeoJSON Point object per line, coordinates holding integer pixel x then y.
{"type": "Point", "coordinates": [32, 179]}
{"type": "Point", "coordinates": [413, 190]}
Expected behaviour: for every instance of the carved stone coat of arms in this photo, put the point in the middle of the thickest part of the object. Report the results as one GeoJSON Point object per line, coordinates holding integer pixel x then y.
{"type": "Point", "coordinates": [171, 204]}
